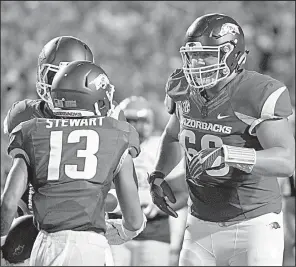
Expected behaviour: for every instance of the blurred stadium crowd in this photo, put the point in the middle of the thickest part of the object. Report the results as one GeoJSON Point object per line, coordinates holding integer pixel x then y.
{"type": "Point", "coordinates": [136, 42]}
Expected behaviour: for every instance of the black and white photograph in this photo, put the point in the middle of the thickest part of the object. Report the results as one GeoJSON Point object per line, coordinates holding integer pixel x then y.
{"type": "Point", "coordinates": [148, 133]}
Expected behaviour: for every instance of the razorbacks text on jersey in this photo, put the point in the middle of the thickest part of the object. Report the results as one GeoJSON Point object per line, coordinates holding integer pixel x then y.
{"type": "Point", "coordinates": [230, 118]}
{"type": "Point", "coordinates": [72, 164]}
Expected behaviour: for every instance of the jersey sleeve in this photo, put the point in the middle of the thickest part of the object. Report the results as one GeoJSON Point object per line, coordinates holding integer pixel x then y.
{"type": "Point", "coordinates": [177, 87]}
{"type": "Point", "coordinates": [16, 114]}
{"type": "Point", "coordinates": [16, 147]}
{"type": "Point", "coordinates": [121, 160]}
{"type": "Point", "coordinates": [268, 100]}
{"type": "Point", "coordinates": [134, 142]}
{"type": "Point", "coordinates": [169, 104]}
{"type": "Point", "coordinates": [275, 104]}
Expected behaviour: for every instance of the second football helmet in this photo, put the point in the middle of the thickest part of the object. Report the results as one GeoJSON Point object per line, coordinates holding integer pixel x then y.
{"type": "Point", "coordinates": [214, 48]}
{"type": "Point", "coordinates": [56, 53]}
{"type": "Point", "coordinates": [139, 113]}
{"type": "Point", "coordinates": [81, 89]}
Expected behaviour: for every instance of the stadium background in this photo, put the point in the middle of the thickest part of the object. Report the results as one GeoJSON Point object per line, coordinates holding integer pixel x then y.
{"type": "Point", "coordinates": [136, 42]}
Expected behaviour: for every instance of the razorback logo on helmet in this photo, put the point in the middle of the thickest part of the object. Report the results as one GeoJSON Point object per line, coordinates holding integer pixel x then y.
{"type": "Point", "coordinates": [229, 28]}
{"type": "Point", "coordinates": [100, 82]}
{"type": "Point", "coordinates": [41, 57]}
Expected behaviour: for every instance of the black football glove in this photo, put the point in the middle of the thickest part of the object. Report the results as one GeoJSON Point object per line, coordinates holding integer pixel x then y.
{"type": "Point", "coordinates": [159, 189]}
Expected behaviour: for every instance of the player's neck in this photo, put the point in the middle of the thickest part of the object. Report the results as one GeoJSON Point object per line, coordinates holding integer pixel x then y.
{"type": "Point", "coordinates": [212, 92]}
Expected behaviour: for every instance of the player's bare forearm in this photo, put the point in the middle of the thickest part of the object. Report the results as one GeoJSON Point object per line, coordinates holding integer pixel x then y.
{"type": "Point", "coordinates": [177, 182]}
{"type": "Point", "coordinates": [169, 154]}
{"type": "Point", "coordinates": [169, 151]}
{"type": "Point", "coordinates": [278, 155]}
{"type": "Point", "coordinates": [127, 193]}
{"type": "Point", "coordinates": [7, 216]}
{"type": "Point", "coordinates": [15, 187]}
{"type": "Point", "coordinates": [275, 161]}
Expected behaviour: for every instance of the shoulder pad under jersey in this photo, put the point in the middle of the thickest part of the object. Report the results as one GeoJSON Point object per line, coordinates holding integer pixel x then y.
{"type": "Point", "coordinates": [21, 111]}
{"type": "Point", "coordinates": [132, 134]}
{"type": "Point", "coordinates": [260, 97]}
{"type": "Point", "coordinates": [18, 137]}
{"type": "Point", "coordinates": [177, 87]}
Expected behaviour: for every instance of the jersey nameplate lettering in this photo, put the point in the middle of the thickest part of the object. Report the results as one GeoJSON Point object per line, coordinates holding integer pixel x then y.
{"type": "Point", "coordinates": [74, 122]}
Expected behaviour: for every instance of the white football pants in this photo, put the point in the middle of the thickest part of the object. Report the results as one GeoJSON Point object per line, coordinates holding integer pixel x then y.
{"type": "Point", "coordinates": [70, 248]}
{"type": "Point", "coordinates": [255, 242]}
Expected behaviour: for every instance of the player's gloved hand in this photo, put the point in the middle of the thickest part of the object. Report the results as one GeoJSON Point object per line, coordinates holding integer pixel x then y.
{"type": "Point", "coordinates": [206, 159]}
{"type": "Point", "coordinates": [159, 189]}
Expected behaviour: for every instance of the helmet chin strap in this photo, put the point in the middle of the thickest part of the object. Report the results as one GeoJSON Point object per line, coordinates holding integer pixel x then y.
{"type": "Point", "coordinates": [242, 59]}
{"type": "Point", "coordinates": [98, 112]}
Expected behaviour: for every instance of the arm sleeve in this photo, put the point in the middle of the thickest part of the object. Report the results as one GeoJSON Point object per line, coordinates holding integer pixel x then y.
{"type": "Point", "coordinates": [134, 142]}
{"type": "Point", "coordinates": [16, 146]}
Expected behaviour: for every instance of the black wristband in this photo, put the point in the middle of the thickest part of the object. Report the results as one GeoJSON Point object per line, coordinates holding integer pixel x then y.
{"type": "Point", "coordinates": [154, 175]}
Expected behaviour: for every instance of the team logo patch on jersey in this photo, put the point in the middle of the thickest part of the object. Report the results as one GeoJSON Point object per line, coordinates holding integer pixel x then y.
{"type": "Point", "coordinates": [185, 106]}
{"type": "Point", "coordinates": [229, 28]}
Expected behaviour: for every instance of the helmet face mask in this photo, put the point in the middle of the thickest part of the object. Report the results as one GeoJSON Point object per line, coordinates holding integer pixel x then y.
{"type": "Point", "coordinates": [214, 49]}
{"type": "Point", "coordinates": [45, 75]}
{"type": "Point", "coordinates": [58, 53]}
{"type": "Point", "coordinates": [205, 66]}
